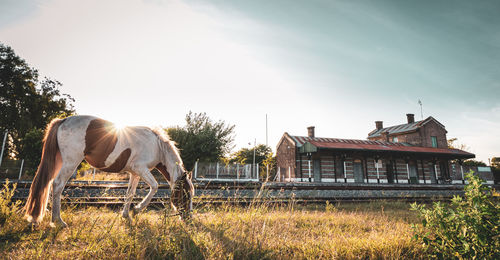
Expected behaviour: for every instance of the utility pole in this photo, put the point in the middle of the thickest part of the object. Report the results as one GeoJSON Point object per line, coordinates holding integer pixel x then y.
{"type": "Point", "coordinates": [254, 144]}
{"type": "Point", "coordinates": [421, 114]}
{"type": "Point", "coordinates": [3, 145]}
{"type": "Point", "coordinates": [266, 131]}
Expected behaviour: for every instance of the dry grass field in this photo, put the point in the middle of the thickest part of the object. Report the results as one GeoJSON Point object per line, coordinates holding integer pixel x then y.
{"type": "Point", "coordinates": [376, 230]}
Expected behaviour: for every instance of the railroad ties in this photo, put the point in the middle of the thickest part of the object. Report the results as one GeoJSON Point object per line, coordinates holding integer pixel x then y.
{"type": "Point", "coordinates": [113, 193]}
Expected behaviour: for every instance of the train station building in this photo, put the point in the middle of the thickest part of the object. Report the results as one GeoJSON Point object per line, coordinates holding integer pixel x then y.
{"type": "Point", "coordinates": [415, 152]}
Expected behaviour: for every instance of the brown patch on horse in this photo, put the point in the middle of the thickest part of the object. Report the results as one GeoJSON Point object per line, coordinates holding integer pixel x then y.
{"type": "Point", "coordinates": [120, 162]}
{"type": "Point", "coordinates": [50, 164]}
{"type": "Point", "coordinates": [100, 141]}
{"type": "Point", "coordinates": [163, 170]}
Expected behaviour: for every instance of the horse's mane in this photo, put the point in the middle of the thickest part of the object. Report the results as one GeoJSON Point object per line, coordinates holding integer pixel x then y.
{"type": "Point", "coordinates": [167, 144]}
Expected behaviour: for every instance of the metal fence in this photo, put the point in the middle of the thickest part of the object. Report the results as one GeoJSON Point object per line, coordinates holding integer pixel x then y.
{"type": "Point", "coordinates": [12, 169]}
{"type": "Point", "coordinates": [225, 172]}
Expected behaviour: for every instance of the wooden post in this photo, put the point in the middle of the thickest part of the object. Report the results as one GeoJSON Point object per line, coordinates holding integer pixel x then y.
{"type": "Point", "coordinates": [217, 172]}
{"type": "Point", "coordinates": [237, 171]}
{"type": "Point", "coordinates": [376, 167]}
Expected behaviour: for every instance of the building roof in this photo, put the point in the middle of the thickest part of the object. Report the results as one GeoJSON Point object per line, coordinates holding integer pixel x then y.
{"type": "Point", "coordinates": [403, 128]}
{"type": "Point", "coordinates": [375, 146]}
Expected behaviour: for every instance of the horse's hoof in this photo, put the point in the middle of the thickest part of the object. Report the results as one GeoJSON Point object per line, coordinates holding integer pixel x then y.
{"type": "Point", "coordinates": [32, 225]}
{"type": "Point", "coordinates": [58, 224]}
{"type": "Point", "coordinates": [127, 217]}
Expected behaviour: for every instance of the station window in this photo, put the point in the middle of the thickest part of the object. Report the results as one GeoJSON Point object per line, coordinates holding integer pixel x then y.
{"type": "Point", "coordinates": [434, 141]}
{"type": "Point", "coordinates": [394, 139]}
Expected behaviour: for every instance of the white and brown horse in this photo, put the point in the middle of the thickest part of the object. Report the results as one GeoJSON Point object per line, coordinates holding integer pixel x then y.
{"type": "Point", "coordinates": [135, 150]}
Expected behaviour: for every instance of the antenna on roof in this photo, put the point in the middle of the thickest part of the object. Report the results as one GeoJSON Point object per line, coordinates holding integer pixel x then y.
{"type": "Point", "coordinates": [421, 114]}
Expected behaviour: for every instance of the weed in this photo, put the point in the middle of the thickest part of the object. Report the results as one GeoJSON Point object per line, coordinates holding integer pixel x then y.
{"type": "Point", "coordinates": [467, 228]}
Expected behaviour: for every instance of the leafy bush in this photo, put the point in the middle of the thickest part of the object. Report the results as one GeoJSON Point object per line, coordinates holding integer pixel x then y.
{"type": "Point", "coordinates": [8, 209]}
{"type": "Point", "coordinates": [466, 228]}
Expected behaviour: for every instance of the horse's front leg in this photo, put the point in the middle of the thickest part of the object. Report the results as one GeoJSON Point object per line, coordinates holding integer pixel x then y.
{"type": "Point", "coordinates": [132, 186]}
{"type": "Point", "coordinates": [67, 169]}
{"type": "Point", "coordinates": [146, 175]}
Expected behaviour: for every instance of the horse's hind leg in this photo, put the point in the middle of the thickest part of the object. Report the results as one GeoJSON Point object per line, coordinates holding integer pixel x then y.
{"type": "Point", "coordinates": [153, 187]}
{"type": "Point", "coordinates": [132, 185]}
{"type": "Point", "coordinates": [67, 169]}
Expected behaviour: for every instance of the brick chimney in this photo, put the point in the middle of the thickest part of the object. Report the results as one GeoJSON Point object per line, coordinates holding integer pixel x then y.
{"type": "Point", "coordinates": [411, 118]}
{"type": "Point", "coordinates": [379, 124]}
{"type": "Point", "coordinates": [310, 131]}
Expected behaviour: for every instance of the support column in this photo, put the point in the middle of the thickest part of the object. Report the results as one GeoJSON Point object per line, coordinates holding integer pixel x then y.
{"type": "Point", "coordinates": [365, 164]}
{"type": "Point", "coordinates": [345, 171]}
{"type": "Point", "coordinates": [408, 171]}
{"type": "Point", "coordinates": [395, 165]}
{"type": "Point", "coordinates": [436, 173]}
{"type": "Point", "coordinates": [462, 171]}
{"type": "Point", "coordinates": [376, 167]}
{"type": "Point", "coordinates": [335, 167]}
{"type": "Point", "coordinates": [423, 170]}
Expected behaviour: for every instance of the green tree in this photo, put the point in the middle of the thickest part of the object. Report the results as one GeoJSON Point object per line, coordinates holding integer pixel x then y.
{"type": "Point", "coordinates": [452, 143]}
{"type": "Point", "coordinates": [271, 164]}
{"type": "Point", "coordinates": [31, 148]}
{"type": "Point", "coordinates": [474, 163]}
{"type": "Point", "coordinates": [27, 102]}
{"type": "Point", "coordinates": [202, 139]}
{"type": "Point", "coordinates": [245, 155]}
{"type": "Point", "coordinates": [495, 162]}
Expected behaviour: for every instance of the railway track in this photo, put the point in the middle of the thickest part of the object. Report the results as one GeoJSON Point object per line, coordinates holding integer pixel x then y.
{"type": "Point", "coordinates": [112, 193]}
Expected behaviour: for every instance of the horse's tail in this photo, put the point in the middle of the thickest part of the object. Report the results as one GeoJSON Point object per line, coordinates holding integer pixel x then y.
{"type": "Point", "coordinates": [46, 173]}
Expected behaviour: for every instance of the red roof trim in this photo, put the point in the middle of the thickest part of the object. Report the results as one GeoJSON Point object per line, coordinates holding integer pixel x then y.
{"type": "Point", "coordinates": [355, 144]}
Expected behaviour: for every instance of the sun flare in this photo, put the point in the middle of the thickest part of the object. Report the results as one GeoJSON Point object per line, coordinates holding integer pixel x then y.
{"type": "Point", "coordinates": [119, 126]}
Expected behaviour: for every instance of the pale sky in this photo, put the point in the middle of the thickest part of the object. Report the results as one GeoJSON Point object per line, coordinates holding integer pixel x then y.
{"type": "Point", "coordinates": [337, 65]}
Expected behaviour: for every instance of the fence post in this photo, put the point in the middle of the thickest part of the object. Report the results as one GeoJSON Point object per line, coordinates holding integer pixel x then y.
{"type": "Point", "coordinates": [267, 172]}
{"type": "Point", "coordinates": [217, 171]}
{"type": "Point", "coordinates": [237, 171]}
{"type": "Point", "coordinates": [462, 170]}
{"type": "Point", "coordinates": [196, 169]}
{"type": "Point", "coordinates": [21, 170]}
{"type": "Point", "coordinates": [3, 145]}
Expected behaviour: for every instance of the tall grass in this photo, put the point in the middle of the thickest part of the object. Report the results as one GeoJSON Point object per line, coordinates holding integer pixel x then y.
{"type": "Point", "coordinates": [352, 231]}
{"type": "Point", "coordinates": [261, 230]}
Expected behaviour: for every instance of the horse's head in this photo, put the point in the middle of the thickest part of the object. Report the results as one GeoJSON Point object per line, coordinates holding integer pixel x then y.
{"type": "Point", "coordinates": [182, 195]}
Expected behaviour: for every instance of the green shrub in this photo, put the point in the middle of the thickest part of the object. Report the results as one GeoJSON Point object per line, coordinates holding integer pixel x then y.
{"type": "Point", "coordinates": [8, 209]}
{"type": "Point", "coordinates": [466, 228]}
